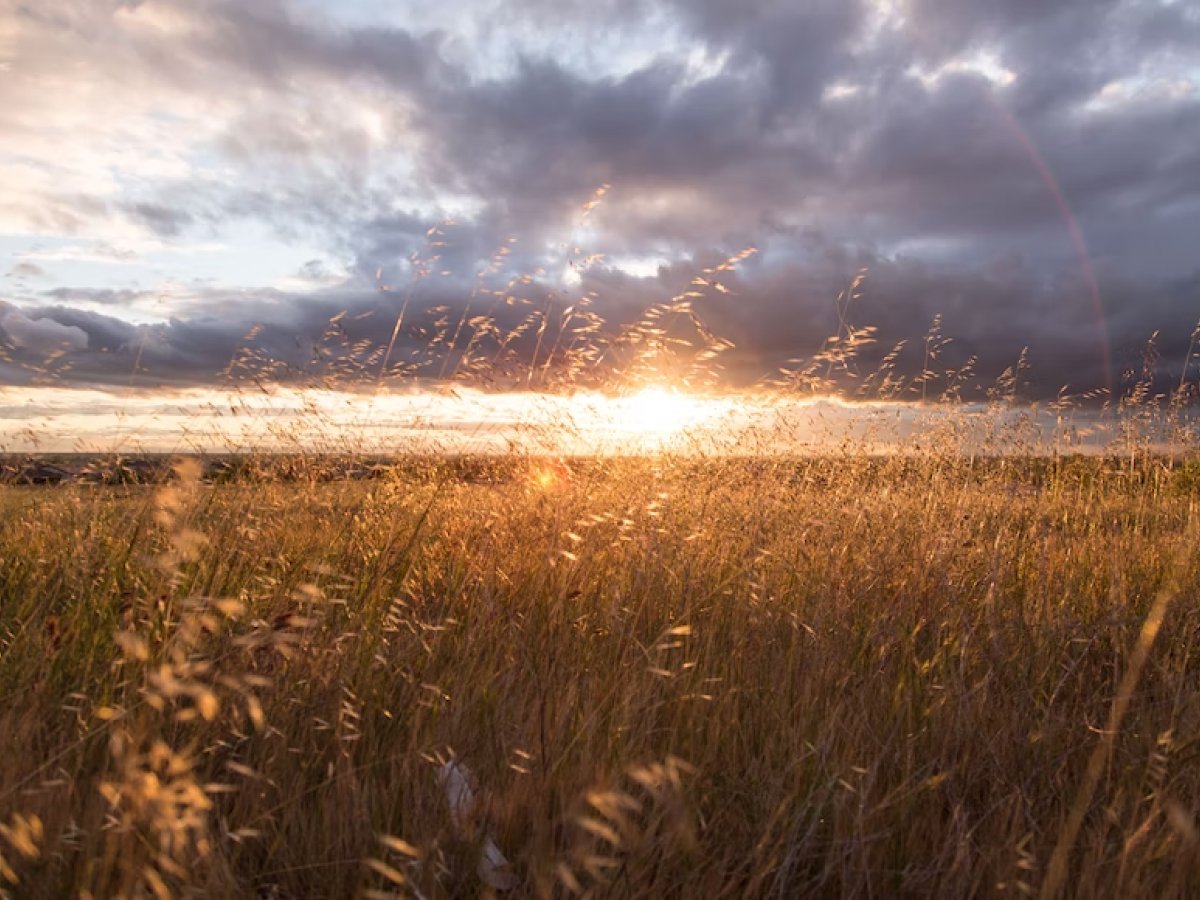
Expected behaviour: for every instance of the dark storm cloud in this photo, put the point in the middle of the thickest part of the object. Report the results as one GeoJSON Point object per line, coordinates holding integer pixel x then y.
{"type": "Point", "coordinates": [955, 153]}
{"type": "Point", "coordinates": [40, 335]}
{"type": "Point", "coordinates": [270, 43]}
{"type": "Point", "coordinates": [797, 47]}
{"type": "Point", "coordinates": [332, 337]}
{"type": "Point", "coordinates": [780, 315]}
{"type": "Point", "coordinates": [777, 314]}
{"type": "Point", "coordinates": [543, 139]}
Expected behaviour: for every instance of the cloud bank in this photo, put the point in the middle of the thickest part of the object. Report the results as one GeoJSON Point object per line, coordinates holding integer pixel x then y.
{"type": "Point", "coordinates": [1030, 174]}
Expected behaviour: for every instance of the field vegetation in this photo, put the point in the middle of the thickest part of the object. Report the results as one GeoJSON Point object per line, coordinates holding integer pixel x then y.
{"type": "Point", "coordinates": [922, 675]}
{"type": "Point", "coordinates": [962, 668]}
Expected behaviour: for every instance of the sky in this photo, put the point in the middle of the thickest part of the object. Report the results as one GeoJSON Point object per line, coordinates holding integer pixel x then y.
{"type": "Point", "coordinates": [205, 190]}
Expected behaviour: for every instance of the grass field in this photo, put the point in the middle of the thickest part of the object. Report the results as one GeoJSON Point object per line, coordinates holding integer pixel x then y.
{"type": "Point", "coordinates": [921, 676]}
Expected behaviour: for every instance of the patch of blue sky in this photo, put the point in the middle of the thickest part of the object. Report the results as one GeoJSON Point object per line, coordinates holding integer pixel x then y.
{"type": "Point", "coordinates": [247, 256]}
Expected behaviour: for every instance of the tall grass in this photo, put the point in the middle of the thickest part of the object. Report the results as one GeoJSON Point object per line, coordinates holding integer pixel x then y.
{"type": "Point", "coordinates": [669, 676]}
{"type": "Point", "coordinates": [948, 672]}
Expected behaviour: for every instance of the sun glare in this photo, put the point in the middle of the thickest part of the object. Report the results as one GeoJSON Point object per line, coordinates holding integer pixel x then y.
{"type": "Point", "coordinates": [656, 411]}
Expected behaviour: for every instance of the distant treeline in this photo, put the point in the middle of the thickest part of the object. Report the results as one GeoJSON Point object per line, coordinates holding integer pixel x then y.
{"type": "Point", "coordinates": [815, 471]}
{"type": "Point", "coordinates": [161, 468]}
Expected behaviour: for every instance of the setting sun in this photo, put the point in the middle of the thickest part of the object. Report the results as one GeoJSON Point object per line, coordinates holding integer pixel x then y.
{"type": "Point", "coordinates": [657, 411]}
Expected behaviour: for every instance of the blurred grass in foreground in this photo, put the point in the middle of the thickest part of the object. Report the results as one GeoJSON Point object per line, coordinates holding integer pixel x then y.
{"type": "Point", "coordinates": [670, 677]}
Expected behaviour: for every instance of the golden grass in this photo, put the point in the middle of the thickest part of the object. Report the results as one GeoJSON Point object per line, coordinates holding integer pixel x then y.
{"type": "Point", "coordinates": [925, 674]}
{"type": "Point", "coordinates": [670, 677]}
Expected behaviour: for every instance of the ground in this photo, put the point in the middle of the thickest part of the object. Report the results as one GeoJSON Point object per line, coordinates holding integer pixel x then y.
{"type": "Point", "coordinates": [922, 675]}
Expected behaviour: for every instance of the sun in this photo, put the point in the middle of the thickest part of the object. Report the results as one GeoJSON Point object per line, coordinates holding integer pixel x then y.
{"type": "Point", "coordinates": [657, 417]}
{"type": "Point", "coordinates": [656, 410]}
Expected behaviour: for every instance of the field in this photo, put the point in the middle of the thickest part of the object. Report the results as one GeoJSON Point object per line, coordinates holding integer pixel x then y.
{"type": "Point", "coordinates": [869, 676]}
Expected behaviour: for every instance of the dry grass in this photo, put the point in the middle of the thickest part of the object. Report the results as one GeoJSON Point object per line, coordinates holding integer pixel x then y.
{"type": "Point", "coordinates": [927, 674]}
{"type": "Point", "coordinates": [670, 677]}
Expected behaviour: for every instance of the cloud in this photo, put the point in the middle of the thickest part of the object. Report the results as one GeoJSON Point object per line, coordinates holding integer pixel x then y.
{"type": "Point", "coordinates": [41, 335]}
{"type": "Point", "coordinates": [777, 311]}
{"type": "Point", "coordinates": [985, 161]}
{"type": "Point", "coordinates": [26, 270]}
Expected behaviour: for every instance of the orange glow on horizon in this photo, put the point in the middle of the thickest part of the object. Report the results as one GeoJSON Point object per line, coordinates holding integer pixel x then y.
{"type": "Point", "coordinates": [656, 411]}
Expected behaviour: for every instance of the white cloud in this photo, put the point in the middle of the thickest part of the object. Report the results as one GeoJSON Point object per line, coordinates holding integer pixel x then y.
{"type": "Point", "coordinates": [983, 62]}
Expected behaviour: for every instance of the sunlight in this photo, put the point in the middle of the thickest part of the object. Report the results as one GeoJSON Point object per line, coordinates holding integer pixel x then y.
{"type": "Point", "coordinates": [657, 410]}
{"type": "Point", "coordinates": [550, 475]}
